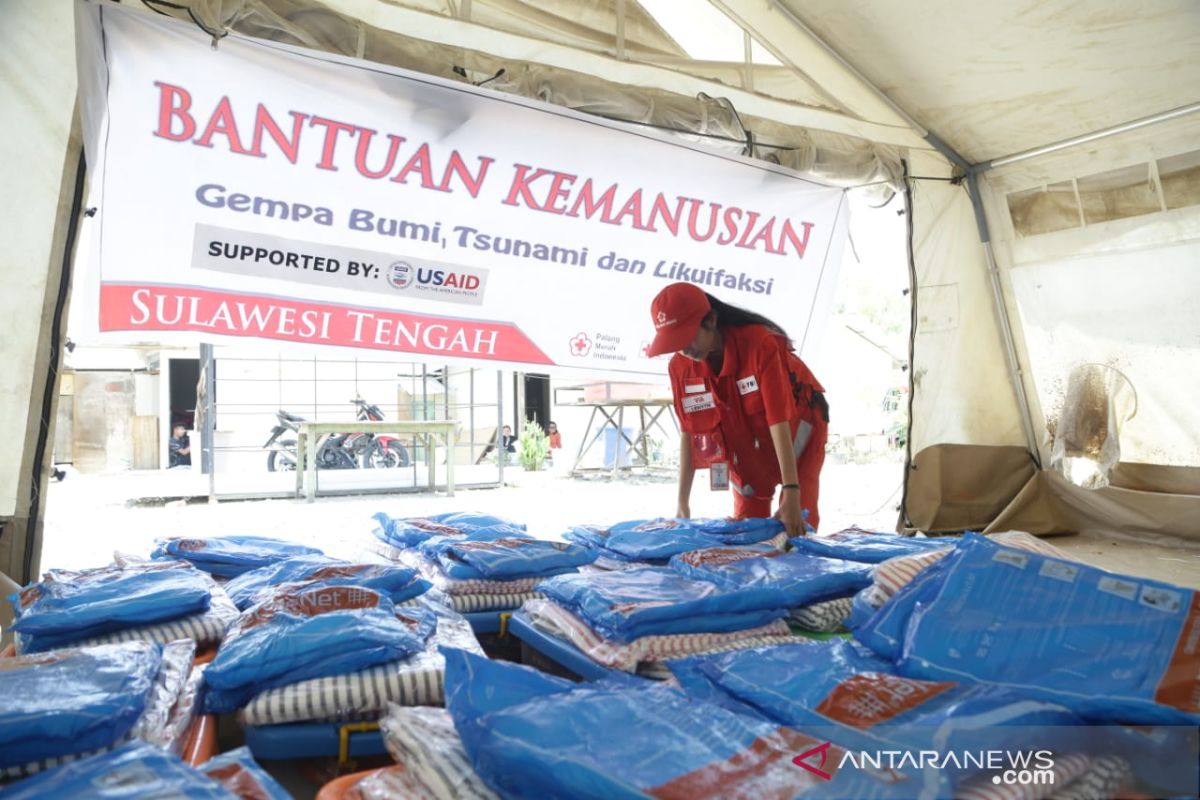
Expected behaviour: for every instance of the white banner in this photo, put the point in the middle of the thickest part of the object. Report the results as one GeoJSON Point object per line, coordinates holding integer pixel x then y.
{"type": "Point", "coordinates": [260, 191]}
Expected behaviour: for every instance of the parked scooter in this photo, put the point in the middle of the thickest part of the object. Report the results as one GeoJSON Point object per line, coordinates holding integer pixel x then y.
{"type": "Point", "coordinates": [331, 449]}
{"type": "Point", "coordinates": [378, 451]}
{"type": "Point", "coordinates": [336, 450]}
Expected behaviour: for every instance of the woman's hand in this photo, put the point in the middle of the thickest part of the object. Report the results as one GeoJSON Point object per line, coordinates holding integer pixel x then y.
{"type": "Point", "coordinates": [790, 513]}
{"type": "Point", "coordinates": [684, 511]}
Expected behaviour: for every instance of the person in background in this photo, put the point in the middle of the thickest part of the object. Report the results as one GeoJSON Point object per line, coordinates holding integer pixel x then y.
{"type": "Point", "coordinates": [180, 447]}
{"type": "Point", "coordinates": [555, 436]}
{"type": "Point", "coordinates": [748, 406]}
{"type": "Point", "coordinates": [507, 441]}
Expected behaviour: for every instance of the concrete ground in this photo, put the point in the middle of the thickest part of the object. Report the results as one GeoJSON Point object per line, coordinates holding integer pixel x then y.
{"type": "Point", "coordinates": [90, 516]}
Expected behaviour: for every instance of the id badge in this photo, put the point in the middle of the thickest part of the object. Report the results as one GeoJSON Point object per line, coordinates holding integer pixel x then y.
{"type": "Point", "coordinates": [718, 476]}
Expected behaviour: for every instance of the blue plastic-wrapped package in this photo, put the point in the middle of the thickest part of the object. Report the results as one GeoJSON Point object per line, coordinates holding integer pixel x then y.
{"type": "Point", "coordinates": [508, 559]}
{"type": "Point", "coordinates": [656, 540]}
{"type": "Point", "coordinates": [301, 632]}
{"type": "Point", "coordinates": [797, 579]}
{"type": "Point", "coordinates": [530, 735]}
{"type": "Point", "coordinates": [238, 772]}
{"type": "Point", "coordinates": [649, 547]}
{"type": "Point", "coordinates": [883, 631]}
{"type": "Point", "coordinates": [840, 690]}
{"type": "Point", "coordinates": [55, 613]}
{"type": "Point", "coordinates": [72, 701]}
{"type": "Point", "coordinates": [398, 583]}
{"type": "Point", "coordinates": [230, 556]}
{"type": "Point", "coordinates": [739, 531]}
{"type": "Point", "coordinates": [1110, 647]}
{"type": "Point", "coordinates": [855, 544]}
{"type": "Point", "coordinates": [435, 545]}
{"type": "Point", "coordinates": [866, 603]}
{"type": "Point", "coordinates": [404, 532]}
{"type": "Point", "coordinates": [135, 770]}
{"type": "Point", "coordinates": [628, 604]}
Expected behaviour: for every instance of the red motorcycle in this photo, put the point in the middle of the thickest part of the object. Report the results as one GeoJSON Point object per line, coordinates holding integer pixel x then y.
{"type": "Point", "coordinates": [337, 450]}
{"type": "Point", "coordinates": [377, 451]}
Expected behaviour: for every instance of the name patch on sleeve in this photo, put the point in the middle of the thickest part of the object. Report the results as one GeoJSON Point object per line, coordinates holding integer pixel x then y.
{"type": "Point", "coordinates": [747, 385]}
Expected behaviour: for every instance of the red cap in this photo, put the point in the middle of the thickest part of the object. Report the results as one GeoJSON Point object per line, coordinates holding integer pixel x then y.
{"type": "Point", "coordinates": [677, 312]}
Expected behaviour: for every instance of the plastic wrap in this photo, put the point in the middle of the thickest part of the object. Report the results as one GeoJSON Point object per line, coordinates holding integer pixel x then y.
{"type": "Point", "coordinates": [206, 628]}
{"type": "Point", "coordinates": [59, 612]}
{"type": "Point", "coordinates": [850, 695]}
{"type": "Point", "coordinates": [656, 540]}
{"type": "Point", "coordinates": [399, 583]}
{"type": "Point", "coordinates": [1104, 778]}
{"type": "Point", "coordinates": [301, 633]}
{"type": "Point", "coordinates": [404, 532]}
{"type": "Point", "coordinates": [894, 573]}
{"type": "Point", "coordinates": [135, 771]}
{"type": "Point", "coordinates": [183, 714]}
{"type": "Point", "coordinates": [855, 544]}
{"type": "Point", "coordinates": [787, 580]}
{"type": "Point", "coordinates": [152, 725]}
{"type": "Point", "coordinates": [503, 559]}
{"type": "Point", "coordinates": [1111, 647]}
{"type": "Point", "coordinates": [475, 603]}
{"type": "Point", "coordinates": [72, 701]}
{"type": "Point", "coordinates": [432, 547]}
{"type": "Point", "coordinates": [390, 783]}
{"type": "Point", "coordinates": [883, 631]}
{"type": "Point", "coordinates": [435, 765]}
{"type": "Point", "coordinates": [1064, 771]}
{"type": "Point", "coordinates": [418, 680]}
{"type": "Point", "coordinates": [237, 771]}
{"type": "Point", "coordinates": [824, 617]}
{"type": "Point", "coordinates": [863, 606]}
{"type": "Point", "coordinates": [557, 621]}
{"type": "Point", "coordinates": [531, 735]}
{"type": "Point", "coordinates": [653, 546]}
{"type": "Point", "coordinates": [230, 556]}
{"type": "Point", "coordinates": [632, 603]}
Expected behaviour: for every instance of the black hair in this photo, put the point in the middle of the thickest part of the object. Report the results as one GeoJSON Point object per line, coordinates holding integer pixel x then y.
{"type": "Point", "coordinates": [731, 316]}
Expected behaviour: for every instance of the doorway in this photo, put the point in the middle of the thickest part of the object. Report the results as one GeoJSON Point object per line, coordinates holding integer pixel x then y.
{"type": "Point", "coordinates": [183, 377]}
{"type": "Point", "coordinates": [537, 399]}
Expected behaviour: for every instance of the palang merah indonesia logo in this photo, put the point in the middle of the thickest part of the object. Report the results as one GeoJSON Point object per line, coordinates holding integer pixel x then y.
{"type": "Point", "coordinates": [580, 344]}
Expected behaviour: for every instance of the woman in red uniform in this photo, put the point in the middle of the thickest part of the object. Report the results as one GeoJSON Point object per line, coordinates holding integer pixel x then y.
{"type": "Point", "coordinates": [746, 405]}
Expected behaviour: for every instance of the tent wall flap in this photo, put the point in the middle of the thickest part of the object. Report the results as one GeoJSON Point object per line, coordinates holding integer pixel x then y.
{"type": "Point", "coordinates": [956, 487]}
{"type": "Point", "coordinates": [40, 151]}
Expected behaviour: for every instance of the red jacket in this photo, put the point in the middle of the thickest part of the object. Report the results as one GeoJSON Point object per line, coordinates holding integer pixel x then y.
{"type": "Point", "coordinates": [729, 415]}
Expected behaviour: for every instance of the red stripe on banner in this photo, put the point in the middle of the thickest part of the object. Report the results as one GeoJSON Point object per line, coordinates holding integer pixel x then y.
{"type": "Point", "coordinates": [125, 307]}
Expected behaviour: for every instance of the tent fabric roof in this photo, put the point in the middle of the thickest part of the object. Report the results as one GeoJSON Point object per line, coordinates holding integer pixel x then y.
{"type": "Point", "coordinates": [992, 79]}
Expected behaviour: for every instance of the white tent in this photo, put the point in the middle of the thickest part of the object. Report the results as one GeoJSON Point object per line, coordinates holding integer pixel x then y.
{"type": "Point", "coordinates": [1049, 155]}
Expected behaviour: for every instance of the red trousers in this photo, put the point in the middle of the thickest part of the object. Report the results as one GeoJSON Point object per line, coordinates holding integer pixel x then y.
{"type": "Point", "coordinates": [808, 468]}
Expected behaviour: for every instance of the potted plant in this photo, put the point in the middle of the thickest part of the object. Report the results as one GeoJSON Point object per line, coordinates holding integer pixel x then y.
{"type": "Point", "coordinates": [533, 446]}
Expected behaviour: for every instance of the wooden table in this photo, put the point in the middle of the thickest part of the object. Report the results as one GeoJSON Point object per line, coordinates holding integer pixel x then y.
{"type": "Point", "coordinates": [306, 456]}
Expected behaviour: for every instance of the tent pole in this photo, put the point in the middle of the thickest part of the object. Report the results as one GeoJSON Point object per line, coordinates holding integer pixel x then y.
{"type": "Point", "coordinates": [1053, 147]}
{"type": "Point", "coordinates": [1016, 375]}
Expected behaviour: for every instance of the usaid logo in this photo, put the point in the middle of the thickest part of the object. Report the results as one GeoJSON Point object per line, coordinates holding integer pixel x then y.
{"type": "Point", "coordinates": [400, 275]}
{"type": "Point", "coordinates": [437, 281]}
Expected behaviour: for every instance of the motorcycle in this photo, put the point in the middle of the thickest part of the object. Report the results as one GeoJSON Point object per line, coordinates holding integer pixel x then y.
{"type": "Point", "coordinates": [336, 450]}
{"type": "Point", "coordinates": [378, 451]}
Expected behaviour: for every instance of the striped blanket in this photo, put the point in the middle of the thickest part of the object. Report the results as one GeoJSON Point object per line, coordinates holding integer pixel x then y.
{"type": "Point", "coordinates": [557, 621]}
{"type": "Point", "coordinates": [416, 681]}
